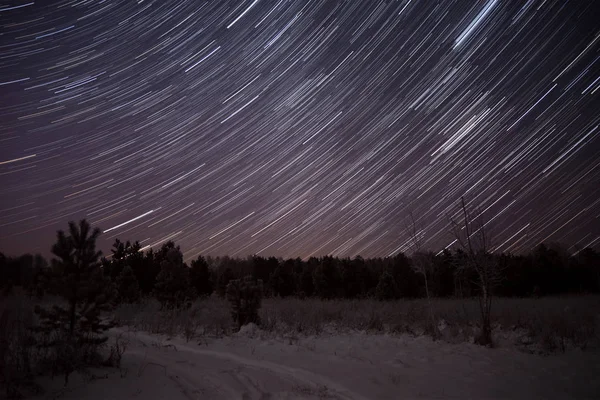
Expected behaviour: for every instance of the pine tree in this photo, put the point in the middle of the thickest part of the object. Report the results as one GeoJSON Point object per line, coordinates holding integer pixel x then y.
{"type": "Point", "coordinates": [386, 288]}
{"type": "Point", "coordinates": [305, 286]}
{"type": "Point", "coordinates": [123, 254]}
{"type": "Point", "coordinates": [146, 271]}
{"type": "Point", "coordinates": [127, 286]}
{"type": "Point", "coordinates": [172, 288]}
{"type": "Point", "coordinates": [201, 277]}
{"type": "Point", "coordinates": [282, 280]}
{"type": "Point", "coordinates": [76, 328]}
{"type": "Point", "coordinates": [225, 277]}
{"type": "Point", "coordinates": [326, 278]}
{"type": "Point", "coordinates": [40, 270]}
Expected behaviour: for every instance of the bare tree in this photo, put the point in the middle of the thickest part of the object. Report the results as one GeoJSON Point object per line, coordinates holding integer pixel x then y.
{"type": "Point", "coordinates": [474, 240]}
{"type": "Point", "coordinates": [423, 264]}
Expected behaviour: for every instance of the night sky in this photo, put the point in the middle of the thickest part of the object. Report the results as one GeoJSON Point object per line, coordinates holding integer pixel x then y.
{"type": "Point", "coordinates": [299, 128]}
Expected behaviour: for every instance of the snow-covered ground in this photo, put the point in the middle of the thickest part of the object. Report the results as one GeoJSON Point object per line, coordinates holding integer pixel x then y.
{"type": "Point", "coordinates": [342, 366]}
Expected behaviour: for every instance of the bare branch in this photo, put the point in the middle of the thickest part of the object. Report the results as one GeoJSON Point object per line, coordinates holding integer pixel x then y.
{"type": "Point", "coordinates": [475, 243]}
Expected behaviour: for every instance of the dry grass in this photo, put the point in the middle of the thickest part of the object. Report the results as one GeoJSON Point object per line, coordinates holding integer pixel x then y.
{"type": "Point", "coordinates": [542, 325]}
{"type": "Point", "coordinates": [207, 317]}
{"type": "Point", "coordinates": [546, 324]}
{"type": "Point", "coordinates": [26, 354]}
{"type": "Point", "coordinates": [19, 359]}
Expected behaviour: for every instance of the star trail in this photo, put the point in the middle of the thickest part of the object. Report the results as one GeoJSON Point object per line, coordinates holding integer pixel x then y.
{"type": "Point", "coordinates": [299, 128]}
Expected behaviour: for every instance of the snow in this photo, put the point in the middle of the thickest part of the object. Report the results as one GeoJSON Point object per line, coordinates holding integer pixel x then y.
{"type": "Point", "coordinates": [254, 365]}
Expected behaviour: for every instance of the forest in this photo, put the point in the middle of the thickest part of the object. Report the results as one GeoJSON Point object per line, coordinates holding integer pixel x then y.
{"type": "Point", "coordinates": [548, 270]}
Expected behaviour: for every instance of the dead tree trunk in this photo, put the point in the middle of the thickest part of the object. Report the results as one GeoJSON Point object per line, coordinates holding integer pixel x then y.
{"type": "Point", "coordinates": [424, 265]}
{"type": "Point", "coordinates": [475, 242]}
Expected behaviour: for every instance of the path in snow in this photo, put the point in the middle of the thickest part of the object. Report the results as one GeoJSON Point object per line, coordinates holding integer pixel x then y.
{"type": "Point", "coordinates": [356, 366]}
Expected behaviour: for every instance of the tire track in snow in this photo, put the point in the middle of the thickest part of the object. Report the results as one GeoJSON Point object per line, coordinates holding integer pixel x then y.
{"type": "Point", "coordinates": [189, 353]}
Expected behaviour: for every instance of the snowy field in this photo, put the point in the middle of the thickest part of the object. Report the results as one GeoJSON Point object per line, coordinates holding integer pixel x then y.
{"type": "Point", "coordinates": [252, 365]}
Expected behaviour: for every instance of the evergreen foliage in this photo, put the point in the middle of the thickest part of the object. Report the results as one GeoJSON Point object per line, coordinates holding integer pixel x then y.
{"type": "Point", "coordinates": [201, 277]}
{"type": "Point", "coordinates": [123, 254]}
{"type": "Point", "coordinates": [172, 288]}
{"type": "Point", "coordinates": [305, 285]}
{"type": "Point", "coordinates": [75, 329]}
{"type": "Point", "coordinates": [127, 286]}
{"type": "Point", "coordinates": [147, 272]}
{"type": "Point", "coordinates": [282, 280]}
{"type": "Point", "coordinates": [386, 288]}
{"type": "Point", "coordinates": [331, 277]}
{"type": "Point", "coordinates": [326, 278]}
{"type": "Point", "coordinates": [225, 277]}
{"type": "Point", "coordinates": [24, 271]}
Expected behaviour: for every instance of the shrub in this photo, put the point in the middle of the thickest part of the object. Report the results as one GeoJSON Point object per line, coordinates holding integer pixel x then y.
{"type": "Point", "coordinates": [117, 349]}
{"type": "Point", "coordinates": [245, 297]}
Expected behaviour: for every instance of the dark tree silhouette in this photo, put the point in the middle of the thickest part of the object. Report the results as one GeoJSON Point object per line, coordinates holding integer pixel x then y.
{"type": "Point", "coordinates": [548, 270]}
{"type": "Point", "coordinates": [122, 254]}
{"type": "Point", "coordinates": [282, 279]}
{"type": "Point", "coordinates": [305, 284]}
{"type": "Point", "coordinates": [442, 282]}
{"type": "Point", "coordinates": [326, 278]}
{"type": "Point", "coordinates": [245, 297]}
{"type": "Point", "coordinates": [423, 263]}
{"type": "Point", "coordinates": [77, 327]}
{"type": "Point", "coordinates": [585, 271]}
{"type": "Point", "coordinates": [351, 279]}
{"type": "Point", "coordinates": [22, 271]}
{"type": "Point", "coordinates": [147, 271]}
{"type": "Point", "coordinates": [201, 277]}
{"type": "Point", "coordinates": [408, 281]}
{"type": "Point", "coordinates": [172, 288]}
{"type": "Point", "coordinates": [225, 276]}
{"type": "Point", "coordinates": [127, 286]}
{"type": "Point", "coordinates": [386, 288]}
{"type": "Point", "coordinates": [474, 239]}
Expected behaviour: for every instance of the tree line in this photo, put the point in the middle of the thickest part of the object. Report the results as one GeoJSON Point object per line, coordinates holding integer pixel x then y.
{"type": "Point", "coordinates": [549, 269]}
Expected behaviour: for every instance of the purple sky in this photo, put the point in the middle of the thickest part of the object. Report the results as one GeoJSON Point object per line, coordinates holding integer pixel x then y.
{"type": "Point", "coordinates": [298, 128]}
